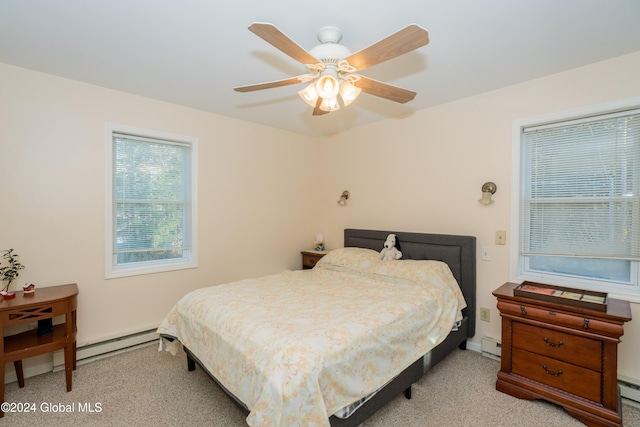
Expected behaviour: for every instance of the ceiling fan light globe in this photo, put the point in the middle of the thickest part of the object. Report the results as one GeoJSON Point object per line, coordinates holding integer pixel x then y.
{"type": "Point", "coordinates": [349, 93]}
{"type": "Point", "coordinates": [327, 86]}
{"type": "Point", "coordinates": [309, 95]}
{"type": "Point", "coordinates": [329, 104]}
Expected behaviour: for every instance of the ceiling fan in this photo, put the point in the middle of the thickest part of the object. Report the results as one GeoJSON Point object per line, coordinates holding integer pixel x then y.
{"type": "Point", "coordinates": [333, 69]}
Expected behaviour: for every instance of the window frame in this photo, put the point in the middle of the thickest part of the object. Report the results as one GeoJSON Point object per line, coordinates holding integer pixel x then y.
{"type": "Point", "coordinates": [112, 270]}
{"type": "Point", "coordinates": [517, 267]}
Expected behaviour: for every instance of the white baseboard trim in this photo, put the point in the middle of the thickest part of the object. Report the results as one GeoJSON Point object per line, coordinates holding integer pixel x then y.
{"type": "Point", "coordinates": [107, 348]}
{"type": "Point", "coordinates": [629, 390]}
{"type": "Point", "coordinates": [491, 348]}
{"type": "Point", "coordinates": [474, 346]}
{"type": "Point", "coordinates": [53, 362]}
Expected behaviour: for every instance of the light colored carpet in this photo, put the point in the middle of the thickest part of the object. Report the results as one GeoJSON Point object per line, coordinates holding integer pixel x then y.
{"type": "Point", "coordinates": [146, 388]}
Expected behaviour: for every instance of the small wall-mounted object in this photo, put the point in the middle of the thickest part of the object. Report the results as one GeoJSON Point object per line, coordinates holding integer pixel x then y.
{"type": "Point", "coordinates": [488, 189]}
{"type": "Point", "coordinates": [343, 198]}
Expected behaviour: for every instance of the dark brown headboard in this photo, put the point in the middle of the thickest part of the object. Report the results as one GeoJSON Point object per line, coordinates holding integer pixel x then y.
{"type": "Point", "coordinates": [459, 252]}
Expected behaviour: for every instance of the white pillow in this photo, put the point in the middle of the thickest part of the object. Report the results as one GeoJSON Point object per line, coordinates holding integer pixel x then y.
{"type": "Point", "coordinates": [349, 259]}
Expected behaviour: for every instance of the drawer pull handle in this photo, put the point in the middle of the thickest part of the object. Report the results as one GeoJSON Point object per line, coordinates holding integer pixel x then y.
{"type": "Point", "coordinates": [555, 374]}
{"type": "Point", "coordinates": [524, 312]}
{"type": "Point", "coordinates": [550, 344]}
{"type": "Point", "coordinates": [552, 313]}
{"type": "Point", "coordinates": [586, 324]}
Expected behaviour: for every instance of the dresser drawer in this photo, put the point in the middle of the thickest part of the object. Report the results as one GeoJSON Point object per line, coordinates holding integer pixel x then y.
{"type": "Point", "coordinates": [560, 375]}
{"type": "Point", "coordinates": [576, 321]}
{"type": "Point", "coordinates": [548, 342]}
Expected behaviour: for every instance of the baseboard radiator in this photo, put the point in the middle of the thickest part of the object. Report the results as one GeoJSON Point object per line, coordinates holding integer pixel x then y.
{"type": "Point", "coordinates": [629, 390]}
{"type": "Point", "coordinates": [491, 348]}
{"type": "Point", "coordinates": [107, 348]}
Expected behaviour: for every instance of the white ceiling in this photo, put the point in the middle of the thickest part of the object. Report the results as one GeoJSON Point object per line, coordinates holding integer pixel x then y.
{"type": "Point", "coordinates": [193, 52]}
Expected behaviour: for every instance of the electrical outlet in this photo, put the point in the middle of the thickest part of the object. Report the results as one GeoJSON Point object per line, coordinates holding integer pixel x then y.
{"type": "Point", "coordinates": [485, 314]}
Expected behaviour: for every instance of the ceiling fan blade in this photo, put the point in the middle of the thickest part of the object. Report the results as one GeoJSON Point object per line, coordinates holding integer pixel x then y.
{"type": "Point", "coordinates": [404, 41]}
{"type": "Point", "coordinates": [383, 90]}
{"type": "Point", "coordinates": [269, 85]}
{"type": "Point", "coordinates": [317, 111]}
{"type": "Point", "coordinates": [271, 34]}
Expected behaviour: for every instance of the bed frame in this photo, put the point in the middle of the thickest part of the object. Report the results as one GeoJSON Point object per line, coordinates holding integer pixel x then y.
{"type": "Point", "coordinates": [459, 252]}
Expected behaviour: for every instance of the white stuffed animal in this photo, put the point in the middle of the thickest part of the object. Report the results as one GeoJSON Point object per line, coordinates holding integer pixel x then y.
{"type": "Point", "coordinates": [391, 248]}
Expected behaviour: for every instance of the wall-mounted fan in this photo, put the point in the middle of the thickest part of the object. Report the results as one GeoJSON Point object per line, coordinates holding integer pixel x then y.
{"type": "Point", "coordinates": [332, 68]}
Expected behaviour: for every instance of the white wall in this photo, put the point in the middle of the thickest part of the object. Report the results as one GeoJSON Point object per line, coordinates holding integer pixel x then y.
{"type": "Point", "coordinates": [424, 173]}
{"type": "Point", "coordinates": [255, 209]}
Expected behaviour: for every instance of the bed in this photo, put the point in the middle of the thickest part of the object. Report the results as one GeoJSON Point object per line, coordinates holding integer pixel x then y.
{"type": "Point", "coordinates": [291, 365]}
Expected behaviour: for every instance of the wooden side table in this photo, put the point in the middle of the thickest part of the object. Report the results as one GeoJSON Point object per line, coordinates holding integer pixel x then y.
{"type": "Point", "coordinates": [561, 353]}
{"type": "Point", "coordinates": [310, 258]}
{"type": "Point", "coordinates": [44, 303]}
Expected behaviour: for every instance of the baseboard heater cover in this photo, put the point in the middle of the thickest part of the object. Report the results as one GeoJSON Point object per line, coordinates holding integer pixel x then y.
{"type": "Point", "coordinates": [107, 348]}
{"type": "Point", "coordinates": [491, 348]}
{"type": "Point", "coordinates": [629, 390]}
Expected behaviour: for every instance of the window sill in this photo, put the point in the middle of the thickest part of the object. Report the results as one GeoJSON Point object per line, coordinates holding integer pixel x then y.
{"type": "Point", "coordinates": [114, 273]}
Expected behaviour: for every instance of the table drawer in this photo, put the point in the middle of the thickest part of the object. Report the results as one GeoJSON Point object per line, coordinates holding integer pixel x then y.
{"type": "Point", "coordinates": [569, 348]}
{"type": "Point", "coordinates": [576, 321]}
{"type": "Point", "coordinates": [310, 261]}
{"type": "Point", "coordinates": [555, 373]}
{"type": "Point", "coordinates": [32, 313]}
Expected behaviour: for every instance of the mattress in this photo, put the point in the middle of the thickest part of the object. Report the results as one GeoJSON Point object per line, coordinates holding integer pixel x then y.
{"type": "Point", "coordinates": [298, 346]}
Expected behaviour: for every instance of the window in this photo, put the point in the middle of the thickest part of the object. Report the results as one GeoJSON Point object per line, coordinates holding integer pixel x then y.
{"type": "Point", "coordinates": [150, 207]}
{"type": "Point", "coordinates": [579, 200]}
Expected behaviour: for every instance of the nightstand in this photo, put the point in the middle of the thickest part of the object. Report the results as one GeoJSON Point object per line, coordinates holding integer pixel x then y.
{"type": "Point", "coordinates": [45, 303]}
{"type": "Point", "coordinates": [562, 353]}
{"type": "Point", "coordinates": [311, 257]}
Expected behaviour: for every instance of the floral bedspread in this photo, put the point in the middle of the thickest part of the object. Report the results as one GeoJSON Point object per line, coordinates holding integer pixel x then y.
{"type": "Point", "coordinates": [296, 347]}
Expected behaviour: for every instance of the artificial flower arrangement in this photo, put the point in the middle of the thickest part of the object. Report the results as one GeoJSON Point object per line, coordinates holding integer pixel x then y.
{"type": "Point", "coordinates": [9, 272]}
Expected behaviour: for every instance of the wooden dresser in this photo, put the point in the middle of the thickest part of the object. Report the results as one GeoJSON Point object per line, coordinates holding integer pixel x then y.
{"type": "Point", "coordinates": [561, 353]}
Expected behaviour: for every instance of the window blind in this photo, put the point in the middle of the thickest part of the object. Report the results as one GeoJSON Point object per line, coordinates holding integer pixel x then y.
{"type": "Point", "coordinates": [581, 188]}
{"type": "Point", "coordinates": [151, 199]}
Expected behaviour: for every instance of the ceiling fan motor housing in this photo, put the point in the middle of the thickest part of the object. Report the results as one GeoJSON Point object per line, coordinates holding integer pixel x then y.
{"type": "Point", "coordinates": [329, 50]}
{"type": "Point", "coordinates": [329, 34]}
